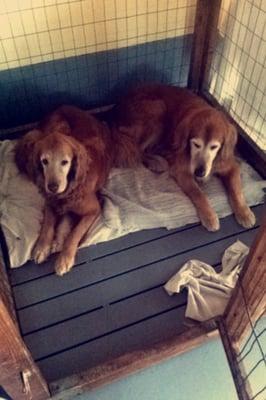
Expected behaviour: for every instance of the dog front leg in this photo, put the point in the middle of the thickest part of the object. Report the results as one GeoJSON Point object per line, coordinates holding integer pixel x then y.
{"type": "Point", "coordinates": [63, 229]}
{"type": "Point", "coordinates": [66, 258]}
{"type": "Point", "coordinates": [232, 182]}
{"type": "Point", "coordinates": [207, 215]}
{"type": "Point", "coordinates": [42, 247]}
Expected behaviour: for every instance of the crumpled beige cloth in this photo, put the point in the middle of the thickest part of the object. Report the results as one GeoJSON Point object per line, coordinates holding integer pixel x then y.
{"type": "Point", "coordinates": [209, 291]}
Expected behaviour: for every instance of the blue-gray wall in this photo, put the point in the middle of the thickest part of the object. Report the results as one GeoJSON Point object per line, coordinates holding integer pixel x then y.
{"type": "Point", "coordinates": [94, 79]}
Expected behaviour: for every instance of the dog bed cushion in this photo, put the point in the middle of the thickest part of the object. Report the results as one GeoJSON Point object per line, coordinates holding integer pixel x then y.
{"type": "Point", "coordinates": [134, 199]}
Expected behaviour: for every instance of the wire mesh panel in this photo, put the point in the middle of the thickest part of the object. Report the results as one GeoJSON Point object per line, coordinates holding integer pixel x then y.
{"type": "Point", "coordinates": [237, 77]}
{"type": "Point", "coordinates": [86, 51]}
{"type": "Point", "coordinates": [243, 327]}
{"type": "Point", "coordinates": [251, 358]}
{"type": "Point", "coordinates": [248, 358]}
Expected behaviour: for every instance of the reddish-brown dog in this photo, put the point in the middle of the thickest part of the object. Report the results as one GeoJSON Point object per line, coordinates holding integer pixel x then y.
{"type": "Point", "coordinates": [196, 140]}
{"type": "Point", "coordinates": [69, 157]}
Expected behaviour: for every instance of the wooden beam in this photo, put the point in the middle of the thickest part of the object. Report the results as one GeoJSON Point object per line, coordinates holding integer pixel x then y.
{"type": "Point", "coordinates": [204, 40]}
{"type": "Point", "coordinates": [19, 376]}
{"type": "Point", "coordinates": [246, 146]}
{"type": "Point", "coordinates": [6, 294]}
{"type": "Point", "coordinates": [248, 301]}
{"type": "Point", "coordinates": [132, 362]}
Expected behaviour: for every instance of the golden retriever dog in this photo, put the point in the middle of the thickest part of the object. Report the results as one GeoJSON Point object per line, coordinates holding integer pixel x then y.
{"type": "Point", "coordinates": [196, 139]}
{"type": "Point", "coordinates": [68, 157]}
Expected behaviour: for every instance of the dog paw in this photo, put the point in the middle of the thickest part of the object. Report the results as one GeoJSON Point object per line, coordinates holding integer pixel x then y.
{"type": "Point", "coordinates": [63, 264]}
{"type": "Point", "coordinates": [245, 217]}
{"type": "Point", "coordinates": [210, 221]}
{"type": "Point", "coordinates": [41, 252]}
{"type": "Point", "coordinates": [56, 246]}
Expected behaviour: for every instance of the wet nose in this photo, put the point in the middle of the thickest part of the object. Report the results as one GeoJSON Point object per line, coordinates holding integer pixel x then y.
{"type": "Point", "coordinates": [53, 187]}
{"type": "Point", "coordinates": [200, 172]}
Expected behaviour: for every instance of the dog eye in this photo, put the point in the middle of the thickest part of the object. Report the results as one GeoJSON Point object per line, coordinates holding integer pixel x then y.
{"type": "Point", "coordinates": [44, 161]}
{"type": "Point", "coordinates": [64, 162]}
{"type": "Point", "coordinates": [215, 146]}
{"type": "Point", "coordinates": [196, 145]}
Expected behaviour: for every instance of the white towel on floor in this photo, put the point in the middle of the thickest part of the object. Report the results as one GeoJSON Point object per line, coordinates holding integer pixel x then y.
{"type": "Point", "coordinates": [134, 199]}
{"type": "Point", "coordinates": [209, 291]}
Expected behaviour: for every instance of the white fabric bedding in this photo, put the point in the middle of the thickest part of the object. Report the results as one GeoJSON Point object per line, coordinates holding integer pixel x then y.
{"type": "Point", "coordinates": [135, 199]}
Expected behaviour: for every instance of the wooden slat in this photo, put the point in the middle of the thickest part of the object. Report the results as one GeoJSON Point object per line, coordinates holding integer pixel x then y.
{"type": "Point", "coordinates": [134, 337]}
{"type": "Point", "coordinates": [103, 268]}
{"type": "Point", "coordinates": [105, 292]}
{"type": "Point", "coordinates": [107, 319]}
{"type": "Point", "coordinates": [205, 32]}
{"type": "Point", "coordinates": [200, 28]}
{"type": "Point", "coordinates": [134, 239]}
{"type": "Point", "coordinates": [31, 271]}
{"type": "Point", "coordinates": [131, 363]}
{"type": "Point", "coordinates": [126, 312]}
{"type": "Point", "coordinates": [249, 298]}
{"type": "Point", "coordinates": [6, 294]}
{"type": "Point", "coordinates": [15, 360]}
{"type": "Point", "coordinates": [210, 41]}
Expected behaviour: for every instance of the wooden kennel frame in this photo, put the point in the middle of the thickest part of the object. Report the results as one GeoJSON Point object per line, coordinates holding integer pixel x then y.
{"type": "Point", "coordinates": [20, 376]}
{"type": "Point", "coordinates": [22, 379]}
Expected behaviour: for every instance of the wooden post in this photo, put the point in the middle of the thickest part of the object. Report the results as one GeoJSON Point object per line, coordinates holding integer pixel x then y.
{"type": "Point", "coordinates": [204, 39]}
{"type": "Point", "coordinates": [248, 301]}
{"type": "Point", "coordinates": [6, 294]}
{"type": "Point", "coordinates": [19, 376]}
{"type": "Point", "coordinates": [246, 305]}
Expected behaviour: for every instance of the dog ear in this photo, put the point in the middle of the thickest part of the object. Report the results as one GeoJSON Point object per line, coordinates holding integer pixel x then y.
{"type": "Point", "coordinates": [180, 135]}
{"type": "Point", "coordinates": [26, 153]}
{"type": "Point", "coordinates": [230, 140]}
{"type": "Point", "coordinates": [80, 163]}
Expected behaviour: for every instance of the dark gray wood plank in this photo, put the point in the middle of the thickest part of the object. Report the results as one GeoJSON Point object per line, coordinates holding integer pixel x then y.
{"type": "Point", "coordinates": [32, 271]}
{"type": "Point", "coordinates": [134, 337]}
{"type": "Point", "coordinates": [106, 267]}
{"type": "Point", "coordinates": [102, 293]}
{"type": "Point", "coordinates": [90, 326]}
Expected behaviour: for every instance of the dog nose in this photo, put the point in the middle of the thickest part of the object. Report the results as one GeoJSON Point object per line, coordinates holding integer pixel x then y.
{"type": "Point", "coordinates": [53, 187]}
{"type": "Point", "coordinates": [200, 172]}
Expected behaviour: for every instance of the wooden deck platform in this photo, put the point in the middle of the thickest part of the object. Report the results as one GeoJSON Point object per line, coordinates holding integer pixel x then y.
{"type": "Point", "coordinates": [113, 301]}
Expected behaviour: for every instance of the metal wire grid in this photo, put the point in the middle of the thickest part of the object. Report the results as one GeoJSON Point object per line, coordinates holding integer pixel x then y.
{"type": "Point", "coordinates": [250, 356]}
{"type": "Point", "coordinates": [86, 51]}
{"type": "Point", "coordinates": [87, 29]}
{"type": "Point", "coordinates": [237, 76]}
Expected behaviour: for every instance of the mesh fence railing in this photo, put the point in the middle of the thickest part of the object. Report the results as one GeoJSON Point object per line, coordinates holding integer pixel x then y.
{"type": "Point", "coordinates": [251, 357]}
{"type": "Point", "coordinates": [237, 76]}
{"type": "Point", "coordinates": [86, 51]}
{"type": "Point", "coordinates": [243, 325]}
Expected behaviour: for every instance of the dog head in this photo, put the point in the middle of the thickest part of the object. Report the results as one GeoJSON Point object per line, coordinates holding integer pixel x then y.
{"type": "Point", "coordinates": [54, 161]}
{"type": "Point", "coordinates": [55, 156]}
{"type": "Point", "coordinates": [207, 137]}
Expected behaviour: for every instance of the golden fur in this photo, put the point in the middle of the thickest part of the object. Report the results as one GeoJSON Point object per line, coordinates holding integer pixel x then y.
{"type": "Point", "coordinates": [196, 139]}
{"type": "Point", "coordinates": [70, 153]}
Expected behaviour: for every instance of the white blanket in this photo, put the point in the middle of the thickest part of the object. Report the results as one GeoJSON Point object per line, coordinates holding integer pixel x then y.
{"type": "Point", "coordinates": [134, 199]}
{"type": "Point", "coordinates": [209, 291]}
